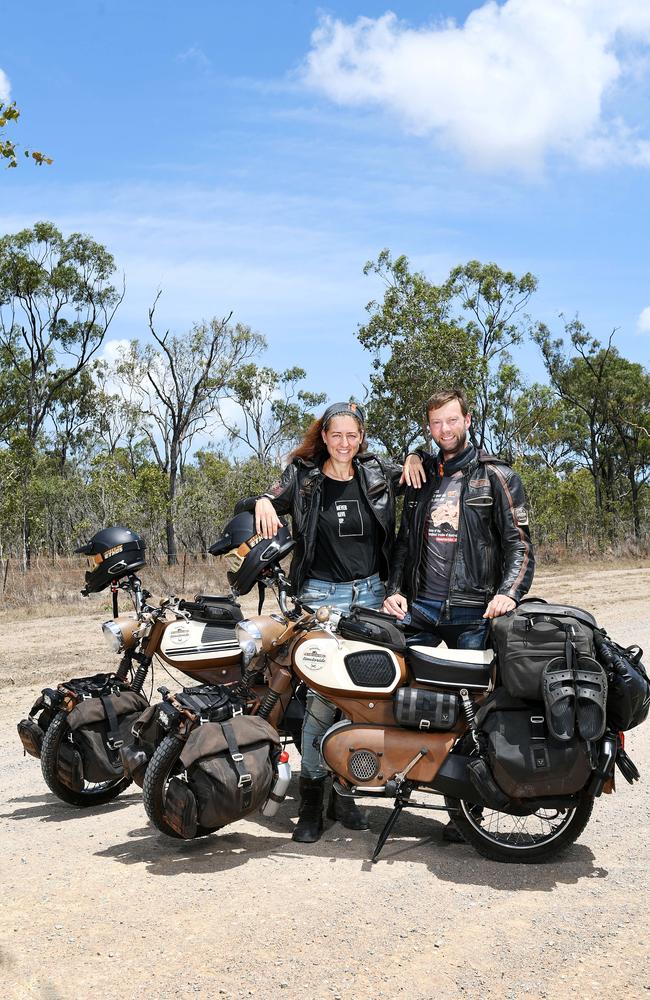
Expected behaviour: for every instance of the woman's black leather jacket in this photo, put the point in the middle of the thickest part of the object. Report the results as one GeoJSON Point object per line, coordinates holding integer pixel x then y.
{"type": "Point", "coordinates": [494, 553]}
{"type": "Point", "coordinates": [298, 492]}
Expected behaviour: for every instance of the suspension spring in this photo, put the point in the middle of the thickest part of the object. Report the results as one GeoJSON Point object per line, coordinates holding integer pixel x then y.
{"type": "Point", "coordinates": [242, 689]}
{"type": "Point", "coordinates": [139, 677]}
{"type": "Point", "coordinates": [268, 701]}
{"type": "Point", "coordinates": [468, 709]}
{"type": "Point", "coordinates": [125, 665]}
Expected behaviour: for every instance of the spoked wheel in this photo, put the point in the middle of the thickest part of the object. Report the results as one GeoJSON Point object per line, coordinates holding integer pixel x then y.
{"type": "Point", "coordinates": [57, 750]}
{"type": "Point", "coordinates": [162, 767]}
{"type": "Point", "coordinates": [522, 839]}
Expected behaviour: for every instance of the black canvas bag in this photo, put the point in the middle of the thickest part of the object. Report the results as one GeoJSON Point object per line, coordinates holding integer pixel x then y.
{"type": "Point", "coordinates": [532, 635]}
{"type": "Point", "coordinates": [146, 734]}
{"type": "Point", "coordinates": [100, 726]}
{"type": "Point", "coordinates": [180, 808]}
{"type": "Point", "coordinates": [229, 768]}
{"type": "Point", "coordinates": [368, 625]}
{"type": "Point", "coordinates": [32, 729]}
{"type": "Point", "coordinates": [526, 761]}
{"type": "Point", "coordinates": [417, 708]}
{"type": "Point", "coordinates": [628, 688]}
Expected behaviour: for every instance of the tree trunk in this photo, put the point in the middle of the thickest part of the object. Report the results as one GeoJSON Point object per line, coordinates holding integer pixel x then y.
{"type": "Point", "coordinates": [636, 513]}
{"type": "Point", "coordinates": [170, 532]}
{"type": "Point", "coordinates": [170, 529]}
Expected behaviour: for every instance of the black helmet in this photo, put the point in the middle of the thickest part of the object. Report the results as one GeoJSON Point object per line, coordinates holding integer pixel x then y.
{"type": "Point", "coordinates": [112, 553]}
{"type": "Point", "coordinates": [249, 554]}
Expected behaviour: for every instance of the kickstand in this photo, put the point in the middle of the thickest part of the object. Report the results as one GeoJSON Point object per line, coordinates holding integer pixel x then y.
{"type": "Point", "coordinates": [401, 800]}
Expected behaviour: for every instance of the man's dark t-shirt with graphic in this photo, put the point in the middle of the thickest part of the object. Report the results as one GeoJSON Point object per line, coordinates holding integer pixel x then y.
{"type": "Point", "coordinates": [440, 537]}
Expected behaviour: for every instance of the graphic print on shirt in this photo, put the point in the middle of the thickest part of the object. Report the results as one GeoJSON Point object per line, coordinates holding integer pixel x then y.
{"type": "Point", "coordinates": [440, 536]}
{"type": "Point", "coordinates": [349, 516]}
{"type": "Point", "coordinates": [443, 520]}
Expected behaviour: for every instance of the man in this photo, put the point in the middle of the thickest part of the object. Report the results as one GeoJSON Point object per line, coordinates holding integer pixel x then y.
{"type": "Point", "coordinates": [463, 554]}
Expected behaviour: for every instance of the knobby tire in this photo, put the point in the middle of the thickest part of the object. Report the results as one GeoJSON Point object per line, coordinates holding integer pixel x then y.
{"type": "Point", "coordinates": [93, 794]}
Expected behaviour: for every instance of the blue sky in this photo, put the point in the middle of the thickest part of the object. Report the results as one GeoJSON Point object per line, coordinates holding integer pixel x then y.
{"type": "Point", "coordinates": [253, 156]}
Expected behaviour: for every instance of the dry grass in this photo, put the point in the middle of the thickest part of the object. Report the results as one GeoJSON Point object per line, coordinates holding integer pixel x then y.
{"type": "Point", "coordinates": [52, 588]}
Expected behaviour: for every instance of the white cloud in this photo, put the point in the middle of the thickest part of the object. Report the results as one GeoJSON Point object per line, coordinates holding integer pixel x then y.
{"type": "Point", "coordinates": [516, 82]}
{"type": "Point", "coordinates": [5, 87]}
{"type": "Point", "coordinates": [643, 322]}
{"type": "Point", "coordinates": [196, 56]}
{"type": "Point", "coordinates": [113, 350]}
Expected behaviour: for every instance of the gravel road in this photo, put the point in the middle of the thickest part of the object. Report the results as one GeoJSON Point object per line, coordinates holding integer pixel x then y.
{"type": "Point", "coordinates": [99, 904]}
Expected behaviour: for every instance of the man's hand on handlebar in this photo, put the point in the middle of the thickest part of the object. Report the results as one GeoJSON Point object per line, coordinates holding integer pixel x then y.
{"type": "Point", "coordinates": [396, 605]}
{"type": "Point", "coordinates": [267, 521]}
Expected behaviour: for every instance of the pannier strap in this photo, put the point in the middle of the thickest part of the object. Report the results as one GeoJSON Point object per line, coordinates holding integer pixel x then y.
{"type": "Point", "coordinates": [113, 738]}
{"type": "Point", "coordinates": [37, 706]}
{"type": "Point", "coordinates": [245, 779]}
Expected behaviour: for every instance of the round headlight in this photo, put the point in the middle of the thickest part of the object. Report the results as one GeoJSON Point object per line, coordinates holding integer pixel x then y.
{"type": "Point", "coordinates": [113, 635]}
{"type": "Point", "coordinates": [249, 638]}
{"type": "Point", "coordinates": [247, 632]}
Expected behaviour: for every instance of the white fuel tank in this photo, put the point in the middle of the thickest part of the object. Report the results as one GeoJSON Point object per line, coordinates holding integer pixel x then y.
{"type": "Point", "coordinates": [344, 666]}
{"type": "Point", "coordinates": [208, 652]}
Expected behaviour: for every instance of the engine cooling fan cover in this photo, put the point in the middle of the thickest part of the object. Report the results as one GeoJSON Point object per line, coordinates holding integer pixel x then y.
{"type": "Point", "coordinates": [363, 765]}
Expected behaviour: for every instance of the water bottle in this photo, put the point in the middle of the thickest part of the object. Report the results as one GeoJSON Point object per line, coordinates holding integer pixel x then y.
{"type": "Point", "coordinates": [279, 786]}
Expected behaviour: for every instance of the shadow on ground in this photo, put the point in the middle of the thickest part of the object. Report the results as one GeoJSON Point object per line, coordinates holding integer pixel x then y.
{"type": "Point", "coordinates": [417, 840]}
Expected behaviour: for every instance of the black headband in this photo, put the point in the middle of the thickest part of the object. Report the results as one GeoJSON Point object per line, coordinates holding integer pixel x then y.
{"type": "Point", "coordinates": [344, 410]}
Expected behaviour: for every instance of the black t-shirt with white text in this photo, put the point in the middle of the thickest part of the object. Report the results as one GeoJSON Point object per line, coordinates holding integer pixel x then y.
{"type": "Point", "coordinates": [347, 543]}
{"type": "Point", "coordinates": [440, 537]}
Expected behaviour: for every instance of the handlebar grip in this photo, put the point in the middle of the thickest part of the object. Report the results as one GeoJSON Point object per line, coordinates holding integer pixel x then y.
{"type": "Point", "coordinates": [190, 606]}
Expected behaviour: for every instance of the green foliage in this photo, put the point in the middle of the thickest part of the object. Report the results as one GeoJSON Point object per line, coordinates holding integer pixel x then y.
{"type": "Point", "coordinates": [176, 385]}
{"type": "Point", "coordinates": [10, 113]}
{"type": "Point", "coordinates": [417, 348]}
{"type": "Point", "coordinates": [56, 303]}
{"type": "Point", "coordinates": [607, 401]}
{"type": "Point", "coordinates": [426, 337]}
{"type": "Point", "coordinates": [273, 412]}
{"type": "Point", "coordinates": [83, 445]}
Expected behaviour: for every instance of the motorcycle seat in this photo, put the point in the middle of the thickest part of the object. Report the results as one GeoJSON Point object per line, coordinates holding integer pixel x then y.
{"type": "Point", "coordinates": [457, 668]}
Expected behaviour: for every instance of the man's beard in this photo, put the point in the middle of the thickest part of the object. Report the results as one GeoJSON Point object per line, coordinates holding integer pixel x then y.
{"type": "Point", "coordinates": [451, 448]}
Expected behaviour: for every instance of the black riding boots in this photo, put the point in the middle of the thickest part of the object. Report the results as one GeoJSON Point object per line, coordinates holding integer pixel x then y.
{"type": "Point", "coordinates": [346, 811]}
{"type": "Point", "coordinates": [310, 813]}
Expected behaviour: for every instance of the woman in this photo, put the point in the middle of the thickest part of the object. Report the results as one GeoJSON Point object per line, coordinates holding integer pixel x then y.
{"type": "Point", "coordinates": [342, 502]}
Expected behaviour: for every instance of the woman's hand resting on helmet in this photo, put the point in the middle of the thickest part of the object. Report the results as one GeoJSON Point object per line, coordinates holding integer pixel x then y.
{"type": "Point", "coordinates": [267, 521]}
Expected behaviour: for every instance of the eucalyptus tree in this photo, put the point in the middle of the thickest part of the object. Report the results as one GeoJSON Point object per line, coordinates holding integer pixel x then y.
{"type": "Point", "coordinates": [9, 113]}
{"type": "Point", "coordinates": [272, 412]}
{"type": "Point", "coordinates": [417, 347]}
{"type": "Point", "coordinates": [176, 382]}
{"type": "Point", "coordinates": [426, 336]}
{"type": "Point", "coordinates": [56, 304]}
{"type": "Point", "coordinates": [609, 398]}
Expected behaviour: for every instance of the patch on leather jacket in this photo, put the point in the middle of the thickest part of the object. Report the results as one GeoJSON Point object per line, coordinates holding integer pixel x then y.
{"type": "Point", "coordinates": [521, 515]}
{"type": "Point", "coordinates": [275, 490]}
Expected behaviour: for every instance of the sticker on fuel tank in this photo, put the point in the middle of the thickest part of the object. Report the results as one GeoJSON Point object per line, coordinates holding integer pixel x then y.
{"type": "Point", "coordinates": [178, 633]}
{"type": "Point", "coordinates": [314, 658]}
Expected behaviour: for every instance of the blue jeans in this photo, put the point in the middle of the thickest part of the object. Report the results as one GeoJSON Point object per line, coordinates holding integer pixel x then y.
{"type": "Point", "coordinates": [320, 713]}
{"type": "Point", "coordinates": [460, 627]}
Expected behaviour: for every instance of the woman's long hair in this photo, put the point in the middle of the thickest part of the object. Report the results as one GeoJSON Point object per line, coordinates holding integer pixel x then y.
{"type": "Point", "coordinates": [312, 447]}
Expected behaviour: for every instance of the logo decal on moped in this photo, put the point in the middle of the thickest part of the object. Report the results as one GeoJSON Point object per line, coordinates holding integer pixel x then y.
{"type": "Point", "coordinates": [178, 633]}
{"type": "Point", "coordinates": [314, 658]}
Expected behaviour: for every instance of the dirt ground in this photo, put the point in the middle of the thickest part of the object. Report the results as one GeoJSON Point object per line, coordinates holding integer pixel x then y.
{"type": "Point", "coordinates": [99, 904]}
